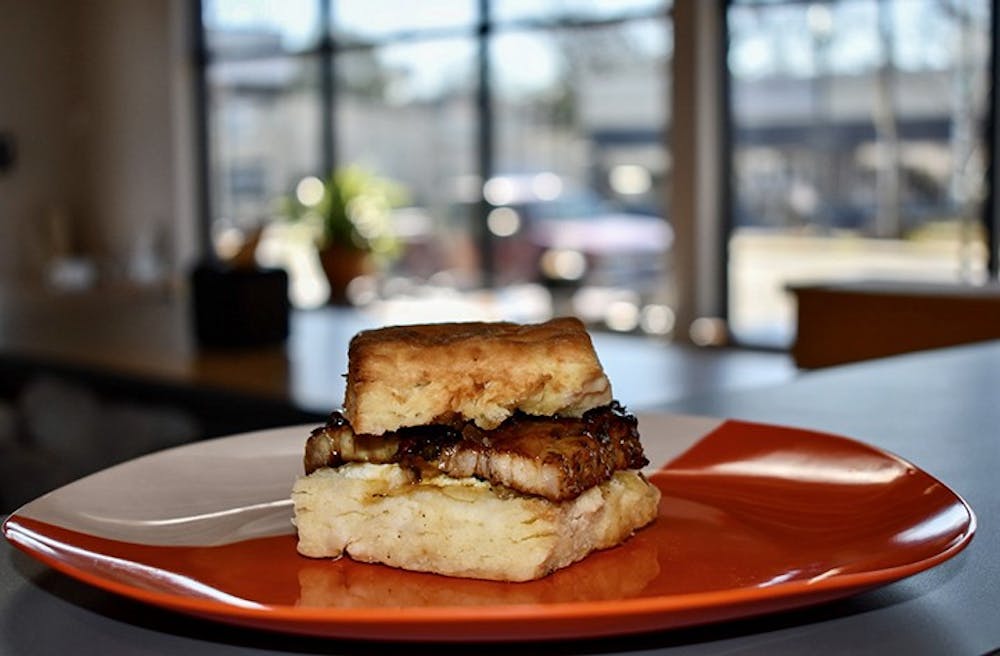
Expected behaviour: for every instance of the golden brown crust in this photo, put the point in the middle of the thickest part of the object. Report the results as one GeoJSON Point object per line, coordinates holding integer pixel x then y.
{"type": "Point", "coordinates": [482, 372]}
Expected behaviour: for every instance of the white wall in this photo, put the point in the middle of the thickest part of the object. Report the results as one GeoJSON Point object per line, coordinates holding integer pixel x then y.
{"type": "Point", "coordinates": [39, 107]}
{"type": "Point", "coordinates": [94, 94]}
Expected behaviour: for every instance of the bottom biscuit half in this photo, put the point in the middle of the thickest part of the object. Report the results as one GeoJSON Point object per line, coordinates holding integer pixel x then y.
{"type": "Point", "coordinates": [461, 527]}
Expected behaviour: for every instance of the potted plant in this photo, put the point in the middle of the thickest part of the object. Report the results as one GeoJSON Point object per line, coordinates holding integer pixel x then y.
{"type": "Point", "coordinates": [351, 216]}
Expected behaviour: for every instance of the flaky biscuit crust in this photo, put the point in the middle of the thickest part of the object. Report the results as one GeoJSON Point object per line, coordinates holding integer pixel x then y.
{"type": "Point", "coordinates": [462, 527]}
{"type": "Point", "coordinates": [482, 372]}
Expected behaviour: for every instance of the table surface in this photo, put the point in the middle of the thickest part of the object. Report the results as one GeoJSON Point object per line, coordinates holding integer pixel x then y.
{"type": "Point", "coordinates": [937, 409]}
{"type": "Point", "coordinates": [149, 338]}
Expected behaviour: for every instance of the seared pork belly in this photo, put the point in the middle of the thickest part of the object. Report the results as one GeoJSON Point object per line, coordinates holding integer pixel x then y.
{"type": "Point", "coordinates": [554, 457]}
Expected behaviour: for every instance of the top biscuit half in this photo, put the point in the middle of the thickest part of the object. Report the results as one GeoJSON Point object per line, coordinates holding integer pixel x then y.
{"type": "Point", "coordinates": [482, 372]}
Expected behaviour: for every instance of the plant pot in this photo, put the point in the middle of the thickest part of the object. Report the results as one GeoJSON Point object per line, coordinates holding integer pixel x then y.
{"type": "Point", "coordinates": [341, 266]}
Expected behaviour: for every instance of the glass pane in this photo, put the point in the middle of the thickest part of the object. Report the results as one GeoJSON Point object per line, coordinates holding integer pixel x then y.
{"type": "Point", "coordinates": [407, 112]}
{"type": "Point", "coordinates": [857, 148]}
{"type": "Point", "coordinates": [517, 10]}
{"type": "Point", "coordinates": [581, 168]}
{"type": "Point", "coordinates": [235, 28]}
{"type": "Point", "coordinates": [360, 21]}
{"type": "Point", "coordinates": [264, 119]}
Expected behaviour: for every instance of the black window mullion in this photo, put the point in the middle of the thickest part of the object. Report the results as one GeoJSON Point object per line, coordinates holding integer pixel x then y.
{"type": "Point", "coordinates": [727, 183]}
{"type": "Point", "coordinates": [991, 211]}
{"type": "Point", "coordinates": [201, 128]}
{"type": "Point", "coordinates": [328, 90]}
{"type": "Point", "coordinates": [484, 142]}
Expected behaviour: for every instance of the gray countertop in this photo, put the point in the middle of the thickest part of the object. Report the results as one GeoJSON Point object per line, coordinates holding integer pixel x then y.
{"type": "Point", "coordinates": [937, 409]}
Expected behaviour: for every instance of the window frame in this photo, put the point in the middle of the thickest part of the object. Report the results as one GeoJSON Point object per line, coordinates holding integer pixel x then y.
{"type": "Point", "coordinates": [703, 283]}
{"type": "Point", "coordinates": [327, 49]}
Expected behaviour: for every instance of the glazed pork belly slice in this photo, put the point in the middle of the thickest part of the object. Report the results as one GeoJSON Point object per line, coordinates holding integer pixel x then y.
{"type": "Point", "coordinates": [553, 457]}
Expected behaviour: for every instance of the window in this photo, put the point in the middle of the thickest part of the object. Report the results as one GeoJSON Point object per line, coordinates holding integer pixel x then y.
{"type": "Point", "coordinates": [857, 150]}
{"type": "Point", "coordinates": [530, 138]}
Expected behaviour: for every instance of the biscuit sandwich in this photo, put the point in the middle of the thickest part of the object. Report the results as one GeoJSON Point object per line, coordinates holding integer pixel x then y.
{"type": "Point", "coordinates": [481, 450]}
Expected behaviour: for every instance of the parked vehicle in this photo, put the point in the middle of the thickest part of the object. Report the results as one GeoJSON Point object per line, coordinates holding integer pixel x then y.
{"type": "Point", "coordinates": [574, 237]}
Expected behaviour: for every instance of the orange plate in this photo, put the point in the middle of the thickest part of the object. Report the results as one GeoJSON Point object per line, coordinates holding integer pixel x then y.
{"type": "Point", "coordinates": [754, 519]}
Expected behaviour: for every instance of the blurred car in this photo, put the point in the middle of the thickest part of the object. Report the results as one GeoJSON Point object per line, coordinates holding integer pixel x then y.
{"type": "Point", "coordinates": [572, 237]}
